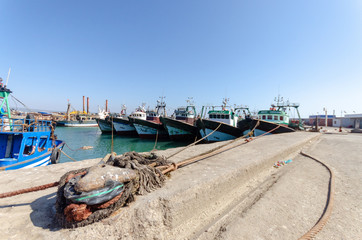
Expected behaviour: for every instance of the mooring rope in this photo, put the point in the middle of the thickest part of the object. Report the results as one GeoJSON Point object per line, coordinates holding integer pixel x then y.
{"type": "Point", "coordinates": [26, 190]}
{"type": "Point", "coordinates": [68, 156]}
{"type": "Point", "coordinates": [194, 143]}
{"type": "Point", "coordinates": [328, 209]}
{"type": "Point", "coordinates": [112, 134]}
{"type": "Point", "coordinates": [173, 167]}
{"type": "Point", "coordinates": [154, 147]}
{"type": "Point", "coordinates": [214, 151]}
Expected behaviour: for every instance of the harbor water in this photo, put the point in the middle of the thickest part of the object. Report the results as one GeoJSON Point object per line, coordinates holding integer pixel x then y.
{"type": "Point", "coordinates": [76, 138]}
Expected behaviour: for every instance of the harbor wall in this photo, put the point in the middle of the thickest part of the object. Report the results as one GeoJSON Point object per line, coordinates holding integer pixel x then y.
{"type": "Point", "coordinates": [192, 199]}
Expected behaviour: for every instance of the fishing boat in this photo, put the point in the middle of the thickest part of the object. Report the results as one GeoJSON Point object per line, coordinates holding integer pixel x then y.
{"type": "Point", "coordinates": [25, 142]}
{"type": "Point", "coordinates": [272, 121]}
{"type": "Point", "coordinates": [122, 124]}
{"type": "Point", "coordinates": [221, 125]}
{"type": "Point", "coordinates": [78, 118]}
{"type": "Point", "coordinates": [103, 121]}
{"type": "Point", "coordinates": [151, 127]}
{"type": "Point", "coordinates": [181, 127]}
{"type": "Point", "coordinates": [80, 121]}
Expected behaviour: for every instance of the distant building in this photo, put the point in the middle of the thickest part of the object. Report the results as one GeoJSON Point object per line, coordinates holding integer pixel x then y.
{"type": "Point", "coordinates": [321, 120]}
{"type": "Point", "coordinates": [356, 119]}
{"type": "Point", "coordinates": [343, 122]}
{"type": "Point", "coordinates": [348, 121]}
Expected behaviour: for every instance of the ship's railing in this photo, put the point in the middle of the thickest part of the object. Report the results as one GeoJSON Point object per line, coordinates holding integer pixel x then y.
{"type": "Point", "coordinates": [24, 125]}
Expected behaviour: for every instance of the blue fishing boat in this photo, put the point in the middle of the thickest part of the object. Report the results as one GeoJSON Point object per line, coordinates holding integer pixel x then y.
{"type": "Point", "coordinates": [25, 142]}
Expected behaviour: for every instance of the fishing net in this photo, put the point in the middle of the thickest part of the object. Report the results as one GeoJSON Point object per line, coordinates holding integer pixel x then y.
{"type": "Point", "coordinates": [76, 209]}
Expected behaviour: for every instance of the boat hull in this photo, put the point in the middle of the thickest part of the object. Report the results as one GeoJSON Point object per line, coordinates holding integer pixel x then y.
{"type": "Point", "coordinates": [104, 125]}
{"type": "Point", "coordinates": [262, 127]}
{"type": "Point", "coordinates": [91, 123]}
{"type": "Point", "coordinates": [124, 127]}
{"type": "Point", "coordinates": [148, 129]}
{"type": "Point", "coordinates": [42, 159]}
{"type": "Point", "coordinates": [179, 130]}
{"type": "Point", "coordinates": [223, 133]}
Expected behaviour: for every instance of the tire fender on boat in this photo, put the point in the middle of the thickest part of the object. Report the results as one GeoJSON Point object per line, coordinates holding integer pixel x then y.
{"type": "Point", "coordinates": [54, 158]}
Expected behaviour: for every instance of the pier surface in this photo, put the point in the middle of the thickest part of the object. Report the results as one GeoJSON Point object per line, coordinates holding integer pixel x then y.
{"type": "Point", "coordinates": [237, 194]}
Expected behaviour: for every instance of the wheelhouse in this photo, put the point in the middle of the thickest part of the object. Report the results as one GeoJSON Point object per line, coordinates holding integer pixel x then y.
{"type": "Point", "coordinates": [139, 115]}
{"type": "Point", "coordinates": [224, 116]}
{"type": "Point", "coordinates": [275, 116]}
{"type": "Point", "coordinates": [187, 114]}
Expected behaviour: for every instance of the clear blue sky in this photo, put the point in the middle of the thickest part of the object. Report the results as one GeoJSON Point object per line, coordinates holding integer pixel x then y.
{"type": "Point", "coordinates": [131, 52]}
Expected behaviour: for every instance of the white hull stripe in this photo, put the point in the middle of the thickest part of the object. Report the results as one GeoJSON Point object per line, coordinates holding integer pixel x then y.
{"type": "Point", "coordinates": [38, 163]}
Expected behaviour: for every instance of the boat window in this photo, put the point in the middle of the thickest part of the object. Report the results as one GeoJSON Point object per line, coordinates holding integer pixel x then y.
{"type": "Point", "coordinates": [222, 116]}
{"type": "Point", "coordinates": [264, 117]}
{"type": "Point", "coordinates": [218, 116]}
{"type": "Point", "coordinates": [42, 143]}
{"type": "Point", "coordinates": [226, 116]}
{"type": "Point", "coordinates": [275, 117]}
{"type": "Point", "coordinates": [30, 145]}
{"type": "Point", "coordinates": [270, 117]}
{"type": "Point", "coordinates": [281, 118]}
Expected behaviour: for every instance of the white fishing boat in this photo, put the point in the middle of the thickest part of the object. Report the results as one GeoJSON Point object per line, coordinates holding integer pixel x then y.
{"type": "Point", "coordinates": [123, 126]}
{"type": "Point", "coordinates": [151, 127]}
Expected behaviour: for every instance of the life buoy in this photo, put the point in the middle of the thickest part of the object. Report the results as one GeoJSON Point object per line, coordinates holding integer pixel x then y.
{"type": "Point", "coordinates": [54, 158]}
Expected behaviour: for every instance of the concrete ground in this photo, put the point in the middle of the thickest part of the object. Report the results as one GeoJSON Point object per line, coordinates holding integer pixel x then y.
{"type": "Point", "coordinates": [234, 195]}
{"type": "Point", "coordinates": [296, 201]}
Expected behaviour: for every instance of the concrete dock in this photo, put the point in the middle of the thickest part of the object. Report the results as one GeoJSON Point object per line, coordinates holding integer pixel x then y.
{"type": "Point", "coordinates": [237, 194]}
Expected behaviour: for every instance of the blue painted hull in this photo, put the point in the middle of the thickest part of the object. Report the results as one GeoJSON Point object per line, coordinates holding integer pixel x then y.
{"type": "Point", "coordinates": [42, 159]}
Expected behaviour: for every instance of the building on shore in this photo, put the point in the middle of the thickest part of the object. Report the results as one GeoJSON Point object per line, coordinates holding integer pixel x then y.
{"type": "Point", "coordinates": [321, 120]}
{"type": "Point", "coordinates": [348, 121]}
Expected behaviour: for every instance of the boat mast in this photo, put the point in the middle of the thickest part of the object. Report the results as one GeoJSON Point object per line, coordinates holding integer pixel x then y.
{"type": "Point", "coordinates": [190, 104]}
{"type": "Point", "coordinates": [4, 95]}
{"type": "Point", "coordinates": [161, 105]}
{"type": "Point", "coordinates": [281, 105]}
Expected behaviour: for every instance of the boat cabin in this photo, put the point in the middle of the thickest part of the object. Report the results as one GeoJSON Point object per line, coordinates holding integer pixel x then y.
{"type": "Point", "coordinates": [138, 115]}
{"type": "Point", "coordinates": [224, 116]}
{"type": "Point", "coordinates": [186, 114]}
{"type": "Point", "coordinates": [275, 116]}
{"type": "Point", "coordinates": [23, 139]}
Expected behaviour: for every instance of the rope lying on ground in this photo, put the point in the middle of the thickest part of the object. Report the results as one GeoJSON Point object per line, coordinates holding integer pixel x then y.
{"type": "Point", "coordinates": [26, 190]}
{"type": "Point", "coordinates": [330, 201]}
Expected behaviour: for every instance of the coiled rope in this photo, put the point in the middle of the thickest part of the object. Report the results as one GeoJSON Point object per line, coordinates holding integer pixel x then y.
{"type": "Point", "coordinates": [330, 201]}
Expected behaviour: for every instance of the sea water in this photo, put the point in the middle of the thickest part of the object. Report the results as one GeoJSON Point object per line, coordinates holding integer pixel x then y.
{"type": "Point", "coordinates": [78, 137]}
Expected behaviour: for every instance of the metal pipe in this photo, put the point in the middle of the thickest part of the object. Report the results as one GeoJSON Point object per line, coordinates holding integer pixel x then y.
{"type": "Point", "coordinates": [87, 105]}
{"type": "Point", "coordinates": [83, 104]}
{"type": "Point", "coordinates": [106, 105]}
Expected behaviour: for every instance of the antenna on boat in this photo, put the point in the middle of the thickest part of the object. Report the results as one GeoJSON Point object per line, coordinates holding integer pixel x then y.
{"type": "Point", "coordinates": [7, 79]}
{"type": "Point", "coordinates": [190, 101]}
